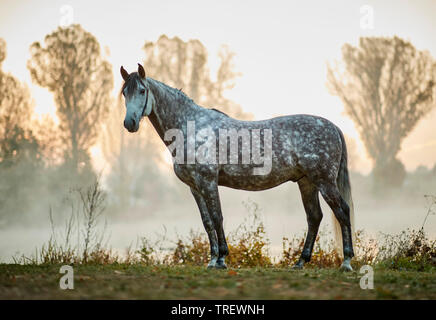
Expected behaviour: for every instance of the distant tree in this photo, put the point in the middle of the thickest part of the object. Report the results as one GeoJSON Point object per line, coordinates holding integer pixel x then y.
{"type": "Point", "coordinates": [386, 86]}
{"type": "Point", "coordinates": [20, 150]}
{"type": "Point", "coordinates": [17, 141]}
{"type": "Point", "coordinates": [48, 134]}
{"type": "Point", "coordinates": [183, 65]}
{"type": "Point", "coordinates": [71, 67]}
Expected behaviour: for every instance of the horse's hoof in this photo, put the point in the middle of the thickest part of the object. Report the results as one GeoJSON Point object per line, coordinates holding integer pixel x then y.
{"type": "Point", "coordinates": [298, 266]}
{"type": "Point", "coordinates": [220, 264]}
{"type": "Point", "coordinates": [346, 266]}
{"type": "Point", "coordinates": [212, 264]}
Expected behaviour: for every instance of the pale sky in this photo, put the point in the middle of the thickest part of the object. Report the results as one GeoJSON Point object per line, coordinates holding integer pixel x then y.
{"type": "Point", "coordinates": [281, 47]}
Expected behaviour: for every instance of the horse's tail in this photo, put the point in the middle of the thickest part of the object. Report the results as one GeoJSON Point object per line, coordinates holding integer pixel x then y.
{"type": "Point", "coordinates": [344, 186]}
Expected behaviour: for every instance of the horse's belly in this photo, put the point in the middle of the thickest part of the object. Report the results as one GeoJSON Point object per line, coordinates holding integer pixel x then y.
{"type": "Point", "coordinates": [243, 178]}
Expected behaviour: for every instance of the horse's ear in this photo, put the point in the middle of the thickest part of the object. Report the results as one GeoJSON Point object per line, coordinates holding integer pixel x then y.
{"type": "Point", "coordinates": [124, 73]}
{"type": "Point", "coordinates": [141, 71]}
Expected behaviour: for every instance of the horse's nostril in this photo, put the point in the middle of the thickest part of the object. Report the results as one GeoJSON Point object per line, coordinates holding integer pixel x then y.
{"type": "Point", "coordinates": [130, 124]}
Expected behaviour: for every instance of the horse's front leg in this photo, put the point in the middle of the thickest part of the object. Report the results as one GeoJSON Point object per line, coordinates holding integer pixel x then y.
{"type": "Point", "coordinates": [209, 192]}
{"type": "Point", "coordinates": [209, 226]}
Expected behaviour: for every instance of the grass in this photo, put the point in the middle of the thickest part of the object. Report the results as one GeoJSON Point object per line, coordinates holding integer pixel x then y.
{"type": "Point", "coordinates": [121, 281]}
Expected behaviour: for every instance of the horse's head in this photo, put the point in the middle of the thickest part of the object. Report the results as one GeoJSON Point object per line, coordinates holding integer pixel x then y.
{"type": "Point", "coordinates": [138, 97]}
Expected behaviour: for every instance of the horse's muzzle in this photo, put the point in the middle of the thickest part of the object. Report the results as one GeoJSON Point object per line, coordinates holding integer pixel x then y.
{"type": "Point", "coordinates": [130, 125]}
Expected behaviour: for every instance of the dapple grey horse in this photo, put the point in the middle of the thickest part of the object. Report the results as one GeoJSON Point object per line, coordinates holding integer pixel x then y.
{"type": "Point", "coordinates": [306, 149]}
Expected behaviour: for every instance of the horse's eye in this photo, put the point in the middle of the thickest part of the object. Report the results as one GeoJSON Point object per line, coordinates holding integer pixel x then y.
{"type": "Point", "coordinates": [142, 91]}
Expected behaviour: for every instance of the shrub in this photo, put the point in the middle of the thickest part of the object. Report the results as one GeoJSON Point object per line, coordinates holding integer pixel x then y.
{"type": "Point", "coordinates": [410, 249]}
{"type": "Point", "coordinates": [324, 252]}
{"type": "Point", "coordinates": [248, 244]}
{"type": "Point", "coordinates": [192, 251]}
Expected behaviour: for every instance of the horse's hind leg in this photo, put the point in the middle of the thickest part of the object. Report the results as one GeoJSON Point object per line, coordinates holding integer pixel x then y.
{"type": "Point", "coordinates": [309, 195]}
{"type": "Point", "coordinates": [209, 226]}
{"type": "Point", "coordinates": [341, 210]}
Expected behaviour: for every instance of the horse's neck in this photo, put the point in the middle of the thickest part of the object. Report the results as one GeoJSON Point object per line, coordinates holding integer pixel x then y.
{"type": "Point", "coordinates": [169, 109]}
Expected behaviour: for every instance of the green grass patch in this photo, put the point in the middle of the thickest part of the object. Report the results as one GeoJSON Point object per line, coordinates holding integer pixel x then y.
{"type": "Point", "coordinates": [192, 282]}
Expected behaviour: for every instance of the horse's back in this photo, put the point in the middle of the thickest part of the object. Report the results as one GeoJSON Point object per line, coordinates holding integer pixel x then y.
{"type": "Point", "coordinates": [314, 143]}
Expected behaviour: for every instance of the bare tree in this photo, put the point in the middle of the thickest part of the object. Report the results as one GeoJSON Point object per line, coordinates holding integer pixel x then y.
{"type": "Point", "coordinates": [71, 67]}
{"type": "Point", "coordinates": [386, 86]}
{"type": "Point", "coordinates": [184, 65]}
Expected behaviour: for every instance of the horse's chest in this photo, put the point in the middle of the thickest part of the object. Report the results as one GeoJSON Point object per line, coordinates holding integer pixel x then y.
{"type": "Point", "coordinates": [192, 174]}
{"type": "Point", "coordinates": [183, 173]}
